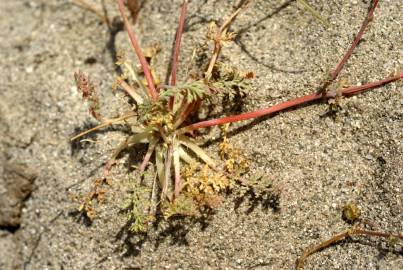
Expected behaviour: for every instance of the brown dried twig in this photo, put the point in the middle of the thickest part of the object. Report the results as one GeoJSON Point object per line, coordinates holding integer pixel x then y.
{"type": "Point", "coordinates": [221, 35]}
{"type": "Point", "coordinates": [92, 8]}
{"type": "Point", "coordinates": [341, 236]}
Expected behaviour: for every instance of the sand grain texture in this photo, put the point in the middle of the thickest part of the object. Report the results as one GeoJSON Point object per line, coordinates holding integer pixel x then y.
{"type": "Point", "coordinates": [320, 163]}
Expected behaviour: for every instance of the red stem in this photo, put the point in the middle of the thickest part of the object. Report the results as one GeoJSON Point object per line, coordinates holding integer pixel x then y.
{"type": "Point", "coordinates": [364, 25]}
{"type": "Point", "coordinates": [139, 53]}
{"type": "Point", "coordinates": [147, 157]}
{"type": "Point", "coordinates": [254, 114]}
{"type": "Point", "coordinates": [288, 104]}
{"type": "Point", "coordinates": [175, 56]}
{"type": "Point", "coordinates": [356, 89]}
{"type": "Point", "coordinates": [182, 117]}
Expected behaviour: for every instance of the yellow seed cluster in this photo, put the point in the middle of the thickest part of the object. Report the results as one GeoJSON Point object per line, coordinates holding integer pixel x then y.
{"type": "Point", "coordinates": [235, 162]}
{"type": "Point", "coordinates": [203, 180]}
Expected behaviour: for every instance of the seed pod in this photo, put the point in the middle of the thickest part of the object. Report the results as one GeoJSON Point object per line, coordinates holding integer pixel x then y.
{"type": "Point", "coordinates": [351, 212]}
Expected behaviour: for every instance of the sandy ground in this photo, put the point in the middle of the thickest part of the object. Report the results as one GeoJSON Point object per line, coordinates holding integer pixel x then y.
{"type": "Point", "coordinates": [320, 163]}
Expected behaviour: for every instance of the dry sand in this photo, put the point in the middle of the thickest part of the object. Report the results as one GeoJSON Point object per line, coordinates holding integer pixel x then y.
{"type": "Point", "coordinates": [320, 163]}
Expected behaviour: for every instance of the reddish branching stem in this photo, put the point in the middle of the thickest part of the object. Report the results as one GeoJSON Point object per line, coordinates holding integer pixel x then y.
{"type": "Point", "coordinates": [307, 98]}
{"type": "Point", "coordinates": [175, 57]}
{"type": "Point", "coordinates": [289, 104]}
{"type": "Point", "coordinates": [139, 53]}
{"type": "Point", "coordinates": [357, 39]}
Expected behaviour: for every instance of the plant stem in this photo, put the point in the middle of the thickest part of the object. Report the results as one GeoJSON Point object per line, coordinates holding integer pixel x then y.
{"type": "Point", "coordinates": [217, 39]}
{"type": "Point", "coordinates": [152, 92]}
{"type": "Point", "coordinates": [150, 150]}
{"type": "Point", "coordinates": [91, 8]}
{"type": "Point", "coordinates": [136, 77]}
{"type": "Point", "coordinates": [175, 56]}
{"type": "Point", "coordinates": [356, 89]}
{"type": "Point", "coordinates": [341, 236]}
{"type": "Point", "coordinates": [300, 100]}
{"type": "Point", "coordinates": [184, 114]}
{"type": "Point", "coordinates": [254, 114]}
{"type": "Point", "coordinates": [231, 18]}
{"type": "Point", "coordinates": [178, 184]}
{"type": "Point", "coordinates": [314, 12]}
{"type": "Point", "coordinates": [287, 104]}
{"type": "Point", "coordinates": [167, 168]}
{"type": "Point", "coordinates": [364, 25]}
{"type": "Point", "coordinates": [104, 124]}
{"type": "Point", "coordinates": [131, 92]}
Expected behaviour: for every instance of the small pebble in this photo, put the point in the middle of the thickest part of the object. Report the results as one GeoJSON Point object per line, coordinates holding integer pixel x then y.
{"type": "Point", "coordinates": [29, 69]}
{"type": "Point", "coordinates": [369, 157]}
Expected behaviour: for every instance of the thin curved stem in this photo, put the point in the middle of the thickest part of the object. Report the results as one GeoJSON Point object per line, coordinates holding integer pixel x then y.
{"type": "Point", "coordinates": [341, 236]}
{"type": "Point", "coordinates": [104, 124]}
{"type": "Point", "coordinates": [103, 16]}
{"type": "Point", "coordinates": [217, 40]}
{"type": "Point", "coordinates": [364, 25]}
{"type": "Point", "coordinates": [184, 114]}
{"type": "Point", "coordinates": [356, 89]}
{"type": "Point", "coordinates": [136, 77]}
{"type": "Point", "coordinates": [150, 150]}
{"type": "Point", "coordinates": [175, 56]}
{"type": "Point", "coordinates": [313, 12]}
{"type": "Point", "coordinates": [152, 92]}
